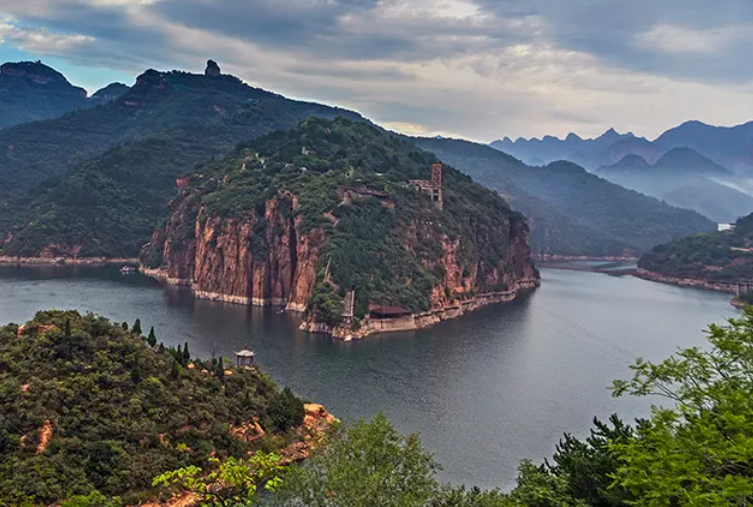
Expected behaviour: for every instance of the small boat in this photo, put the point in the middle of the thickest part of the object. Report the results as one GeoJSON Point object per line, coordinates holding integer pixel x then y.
{"type": "Point", "coordinates": [127, 270]}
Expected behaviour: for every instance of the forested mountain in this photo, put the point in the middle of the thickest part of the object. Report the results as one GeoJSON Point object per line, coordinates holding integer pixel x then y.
{"type": "Point", "coordinates": [303, 217]}
{"type": "Point", "coordinates": [686, 179]}
{"type": "Point", "coordinates": [97, 182]}
{"type": "Point", "coordinates": [32, 91]}
{"type": "Point", "coordinates": [31, 153]}
{"type": "Point", "coordinates": [92, 405]}
{"type": "Point", "coordinates": [593, 216]}
{"type": "Point", "coordinates": [713, 256]}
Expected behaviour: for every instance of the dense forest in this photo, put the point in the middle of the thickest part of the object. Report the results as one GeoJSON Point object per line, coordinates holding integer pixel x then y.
{"type": "Point", "coordinates": [91, 405]}
{"type": "Point", "coordinates": [383, 238]}
{"type": "Point", "coordinates": [714, 256]}
{"type": "Point", "coordinates": [572, 212]}
{"type": "Point", "coordinates": [92, 410]}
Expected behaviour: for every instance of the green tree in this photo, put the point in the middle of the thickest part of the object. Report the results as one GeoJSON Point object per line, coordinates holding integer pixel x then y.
{"type": "Point", "coordinates": [234, 482]}
{"type": "Point", "coordinates": [220, 370]}
{"type": "Point", "coordinates": [136, 329]}
{"type": "Point", "coordinates": [67, 327]}
{"type": "Point", "coordinates": [588, 466]}
{"type": "Point", "coordinates": [151, 339]}
{"type": "Point", "coordinates": [93, 499]}
{"type": "Point", "coordinates": [186, 355]}
{"type": "Point", "coordinates": [286, 410]}
{"type": "Point", "coordinates": [124, 325]}
{"type": "Point", "coordinates": [367, 465]}
{"type": "Point", "coordinates": [700, 450]}
{"type": "Point", "coordinates": [174, 369]}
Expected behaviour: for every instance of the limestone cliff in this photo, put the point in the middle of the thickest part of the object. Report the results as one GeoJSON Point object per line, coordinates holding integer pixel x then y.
{"type": "Point", "coordinates": [332, 219]}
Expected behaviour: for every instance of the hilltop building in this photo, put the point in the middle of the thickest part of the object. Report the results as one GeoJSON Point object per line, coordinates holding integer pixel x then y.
{"type": "Point", "coordinates": [245, 358]}
{"type": "Point", "coordinates": [432, 187]}
{"type": "Point", "coordinates": [725, 227]}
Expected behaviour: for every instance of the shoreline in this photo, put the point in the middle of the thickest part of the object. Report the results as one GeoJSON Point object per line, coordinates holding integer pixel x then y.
{"type": "Point", "coordinates": [416, 321]}
{"type": "Point", "coordinates": [67, 261]}
{"type": "Point", "coordinates": [565, 258]}
{"type": "Point", "coordinates": [368, 326]}
{"type": "Point", "coordinates": [693, 283]}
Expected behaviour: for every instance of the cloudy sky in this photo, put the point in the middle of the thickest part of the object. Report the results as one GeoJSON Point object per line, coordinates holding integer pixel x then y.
{"type": "Point", "coordinates": [480, 69]}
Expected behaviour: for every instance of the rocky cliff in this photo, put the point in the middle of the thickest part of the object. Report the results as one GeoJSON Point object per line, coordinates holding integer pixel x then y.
{"type": "Point", "coordinates": [331, 219]}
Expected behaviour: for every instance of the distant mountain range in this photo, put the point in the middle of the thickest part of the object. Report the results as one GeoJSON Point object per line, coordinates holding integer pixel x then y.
{"type": "Point", "coordinates": [31, 91]}
{"type": "Point", "coordinates": [97, 181]}
{"type": "Point", "coordinates": [685, 178]}
{"type": "Point", "coordinates": [730, 147]}
{"type": "Point", "coordinates": [571, 211]}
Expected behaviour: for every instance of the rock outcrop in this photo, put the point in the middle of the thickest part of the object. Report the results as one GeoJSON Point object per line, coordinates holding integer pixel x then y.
{"type": "Point", "coordinates": [212, 69]}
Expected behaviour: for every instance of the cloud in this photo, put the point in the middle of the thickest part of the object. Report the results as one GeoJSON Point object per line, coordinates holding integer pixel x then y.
{"type": "Point", "coordinates": [40, 40]}
{"type": "Point", "coordinates": [478, 68]}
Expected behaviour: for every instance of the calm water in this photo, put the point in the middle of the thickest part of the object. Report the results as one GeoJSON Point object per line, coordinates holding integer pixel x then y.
{"type": "Point", "coordinates": [484, 391]}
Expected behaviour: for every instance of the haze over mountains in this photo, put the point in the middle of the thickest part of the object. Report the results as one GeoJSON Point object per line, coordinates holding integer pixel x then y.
{"type": "Point", "coordinates": [730, 147]}
{"type": "Point", "coordinates": [97, 181]}
{"type": "Point", "coordinates": [685, 178]}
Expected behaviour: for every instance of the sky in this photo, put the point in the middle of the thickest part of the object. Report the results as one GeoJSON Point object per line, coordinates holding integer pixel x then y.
{"type": "Point", "coordinates": [478, 69]}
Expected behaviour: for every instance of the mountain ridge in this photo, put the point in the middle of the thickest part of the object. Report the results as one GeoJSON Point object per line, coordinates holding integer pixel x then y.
{"type": "Point", "coordinates": [33, 91]}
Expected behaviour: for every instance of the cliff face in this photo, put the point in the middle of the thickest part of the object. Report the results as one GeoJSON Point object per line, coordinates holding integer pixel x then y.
{"type": "Point", "coordinates": [342, 241]}
{"type": "Point", "coordinates": [236, 260]}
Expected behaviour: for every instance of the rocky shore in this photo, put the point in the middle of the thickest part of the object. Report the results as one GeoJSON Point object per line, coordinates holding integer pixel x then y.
{"type": "Point", "coordinates": [416, 321]}
{"type": "Point", "coordinates": [730, 287]}
{"type": "Point", "coordinates": [369, 325]}
{"type": "Point", "coordinates": [567, 258]}
{"type": "Point", "coordinates": [67, 261]}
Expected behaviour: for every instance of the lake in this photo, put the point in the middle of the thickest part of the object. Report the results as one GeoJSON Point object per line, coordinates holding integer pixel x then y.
{"type": "Point", "coordinates": [484, 391]}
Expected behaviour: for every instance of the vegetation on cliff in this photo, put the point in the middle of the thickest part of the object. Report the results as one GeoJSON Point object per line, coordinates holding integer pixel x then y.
{"type": "Point", "coordinates": [88, 406]}
{"type": "Point", "coordinates": [572, 212]}
{"type": "Point", "coordinates": [344, 186]}
{"type": "Point", "coordinates": [714, 256]}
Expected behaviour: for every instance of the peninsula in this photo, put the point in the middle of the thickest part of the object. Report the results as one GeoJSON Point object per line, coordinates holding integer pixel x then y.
{"type": "Point", "coordinates": [354, 227]}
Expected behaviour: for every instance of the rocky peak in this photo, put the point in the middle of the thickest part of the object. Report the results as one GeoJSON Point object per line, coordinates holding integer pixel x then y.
{"type": "Point", "coordinates": [110, 92]}
{"type": "Point", "coordinates": [212, 69]}
{"type": "Point", "coordinates": [34, 72]}
{"type": "Point", "coordinates": [633, 161]}
{"type": "Point", "coordinates": [31, 91]}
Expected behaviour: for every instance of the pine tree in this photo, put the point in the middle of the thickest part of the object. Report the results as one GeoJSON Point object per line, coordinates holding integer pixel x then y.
{"type": "Point", "coordinates": [220, 370]}
{"type": "Point", "coordinates": [152, 339]}
{"type": "Point", "coordinates": [124, 325]}
{"type": "Point", "coordinates": [137, 327]}
{"type": "Point", "coordinates": [161, 348]}
{"type": "Point", "coordinates": [174, 369]}
{"type": "Point", "coordinates": [186, 355]}
{"type": "Point", "coordinates": [67, 327]}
